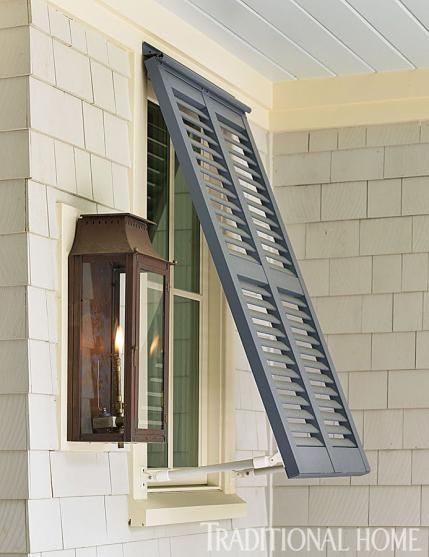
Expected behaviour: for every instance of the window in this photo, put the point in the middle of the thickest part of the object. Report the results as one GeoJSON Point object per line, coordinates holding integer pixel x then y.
{"type": "Point", "coordinates": [176, 236]}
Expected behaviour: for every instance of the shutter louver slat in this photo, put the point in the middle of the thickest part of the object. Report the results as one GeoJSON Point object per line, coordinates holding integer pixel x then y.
{"type": "Point", "coordinates": [259, 273]}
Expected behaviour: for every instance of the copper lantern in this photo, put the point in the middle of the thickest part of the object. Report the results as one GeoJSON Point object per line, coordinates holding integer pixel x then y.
{"type": "Point", "coordinates": [118, 332]}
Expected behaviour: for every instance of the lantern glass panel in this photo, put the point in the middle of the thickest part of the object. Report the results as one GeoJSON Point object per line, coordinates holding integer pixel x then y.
{"type": "Point", "coordinates": [151, 352]}
{"type": "Point", "coordinates": [102, 344]}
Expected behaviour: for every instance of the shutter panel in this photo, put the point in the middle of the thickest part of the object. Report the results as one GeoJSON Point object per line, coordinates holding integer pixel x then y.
{"type": "Point", "coordinates": [286, 350]}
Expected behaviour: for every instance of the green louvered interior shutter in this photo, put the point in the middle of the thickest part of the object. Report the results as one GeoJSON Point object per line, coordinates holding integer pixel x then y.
{"type": "Point", "coordinates": [286, 350]}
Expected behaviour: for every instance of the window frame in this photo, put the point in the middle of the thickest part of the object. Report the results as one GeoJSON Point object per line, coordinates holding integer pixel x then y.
{"type": "Point", "coordinates": [202, 299]}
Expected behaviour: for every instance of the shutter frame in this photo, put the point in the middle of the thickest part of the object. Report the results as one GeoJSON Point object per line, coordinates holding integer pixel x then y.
{"type": "Point", "coordinates": [315, 453]}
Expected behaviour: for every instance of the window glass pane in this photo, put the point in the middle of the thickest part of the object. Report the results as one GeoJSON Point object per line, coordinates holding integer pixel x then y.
{"type": "Point", "coordinates": [186, 382]}
{"type": "Point", "coordinates": [151, 354]}
{"type": "Point", "coordinates": [102, 354]}
{"type": "Point", "coordinates": [158, 156]}
{"type": "Point", "coordinates": [186, 236]}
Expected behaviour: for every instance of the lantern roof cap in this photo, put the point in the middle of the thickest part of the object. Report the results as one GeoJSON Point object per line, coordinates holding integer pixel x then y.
{"type": "Point", "coordinates": [111, 233]}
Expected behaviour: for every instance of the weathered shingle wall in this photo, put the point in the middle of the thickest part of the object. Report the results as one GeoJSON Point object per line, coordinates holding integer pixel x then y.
{"type": "Point", "coordinates": [356, 204]}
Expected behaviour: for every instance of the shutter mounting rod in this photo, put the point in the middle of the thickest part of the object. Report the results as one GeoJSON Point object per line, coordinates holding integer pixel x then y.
{"type": "Point", "coordinates": [252, 466]}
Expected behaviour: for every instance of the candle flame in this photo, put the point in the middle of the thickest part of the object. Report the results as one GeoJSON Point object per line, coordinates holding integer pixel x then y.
{"type": "Point", "coordinates": [119, 340]}
{"type": "Point", "coordinates": [154, 345]}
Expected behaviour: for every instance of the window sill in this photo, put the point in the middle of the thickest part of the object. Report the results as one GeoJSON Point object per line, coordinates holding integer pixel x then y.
{"type": "Point", "coordinates": [178, 507]}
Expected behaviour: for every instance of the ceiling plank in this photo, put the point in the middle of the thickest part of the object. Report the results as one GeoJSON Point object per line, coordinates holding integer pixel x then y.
{"type": "Point", "coordinates": [297, 24]}
{"type": "Point", "coordinates": [353, 30]}
{"type": "Point", "coordinates": [236, 17]}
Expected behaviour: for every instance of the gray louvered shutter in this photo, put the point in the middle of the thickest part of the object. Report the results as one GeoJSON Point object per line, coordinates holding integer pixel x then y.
{"type": "Point", "coordinates": [288, 355]}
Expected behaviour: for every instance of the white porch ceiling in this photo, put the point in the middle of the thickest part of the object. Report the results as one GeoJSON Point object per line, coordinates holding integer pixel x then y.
{"type": "Point", "coordinates": [304, 39]}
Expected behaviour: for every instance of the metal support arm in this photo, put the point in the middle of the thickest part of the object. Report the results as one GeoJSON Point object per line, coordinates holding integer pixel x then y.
{"type": "Point", "coordinates": [257, 465]}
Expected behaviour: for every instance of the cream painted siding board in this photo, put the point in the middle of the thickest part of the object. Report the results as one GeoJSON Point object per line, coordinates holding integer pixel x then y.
{"type": "Point", "coordinates": [350, 352]}
{"type": "Point", "coordinates": [118, 466]}
{"type": "Point", "coordinates": [13, 423]}
{"type": "Point", "coordinates": [83, 173]}
{"type": "Point", "coordinates": [13, 13]}
{"type": "Point", "coordinates": [97, 47]}
{"type": "Point", "coordinates": [121, 189]}
{"type": "Point", "coordinates": [118, 59]}
{"type": "Point", "coordinates": [14, 159]}
{"type": "Point", "coordinates": [14, 355]}
{"type": "Point", "coordinates": [101, 171]}
{"type": "Point", "coordinates": [80, 474]}
{"type": "Point", "coordinates": [351, 138]}
{"type": "Point", "coordinates": [350, 275]}
{"type": "Point", "coordinates": [290, 142]}
{"type": "Point", "coordinates": [422, 350]}
{"type": "Point", "coordinates": [13, 260]}
{"type": "Point", "coordinates": [117, 139]}
{"type": "Point", "coordinates": [339, 314]}
{"type": "Point", "coordinates": [393, 350]}
{"type": "Point", "coordinates": [297, 235]}
{"type": "Point", "coordinates": [420, 467]}
{"type": "Point", "coordinates": [15, 59]}
{"type": "Point", "coordinates": [323, 140]}
{"type": "Point", "coordinates": [394, 468]}
{"type": "Point", "coordinates": [12, 206]}
{"type": "Point", "coordinates": [83, 521]}
{"type": "Point", "coordinates": [42, 256]}
{"type": "Point", "coordinates": [394, 506]}
{"type": "Point", "coordinates": [38, 327]}
{"type": "Point", "coordinates": [400, 134]}
{"type": "Point", "coordinates": [14, 475]}
{"type": "Point", "coordinates": [386, 273]}
{"type": "Point", "coordinates": [291, 505]}
{"type": "Point", "coordinates": [42, 422]}
{"type": "Point", "coordinates": [368, 390]}
{"type": "Point", "coordinates": [425, 506]}
{"type": "Point", "coordinates": [13, 103]}
{"type": "Point", "coordinates": [421, 233]}
{"type": "Point", "coordinates": [377, 313]}
{"type": "Point", "coordinates": [408, 311]}
{"type": "Point", "coordinates": [13, 321]}
{"type": "Point", "coordinates": [357, 164]}
{"type": "Point", "coordinates": [56, 113]}
{"type": "Point", "coordinates": [37, 209]}
{"type": "Point", "coordinates": [60, 25]}
{"type": "Point", "coordinates": [42, 158]}
{"type": "Point", "coordinates": [383, 429]}
{"type": "Point", "coordinates": [65, 166]}
{"type": "Point", "coordinates": [371, 478]}
{"type": "Point", "coordinates": [416, 436]}
{"type": "Point", "coordinates": [299, 203]}
{"type": "Point", "coordinates": [102, 82]}
{"type": "Point", "coordinates": [94, 129]}
{"type": "Point", "coordinates": [78, 36]}
{"type": "Point", "coordinates": [316, 276]}
{"type": "Point", "coordinates": [415, 271]}
{"type": "Point", "coordinates": [406, 161]}
{"type": "Point", "coordinates": [42, 56]}
{"type": "Point", "coordinates": [13, 521]}
{"type": "Point", "coordinates": [415, 196]}
{"type": "Point", "coordinates": [409, 389]}
{"type": "Point", "coordinates": [385, 236]}
{"type": "Point", "coordinates": [384, 198]}
{"type": "Point", "coordinates": [72, 71]}
{"type": "Point", "coordinates": [332, 239]}
{"type": "Point", "coordinates": [122, 101]}
{"type": "Point", "coordinates": [344, 201]}
{"type": "Point", "coordinates": [40, 367]}
{"type": "Point", "coordinates": [294, 170]}
{"type": "Point", "coordinates": [39, 15]}
{"type": "Point", "coordinates": [39, 475]}
{"type": "Point", "coordinates": [338, 506]}
{"type": "Point", "coordinates": [44, 525]}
